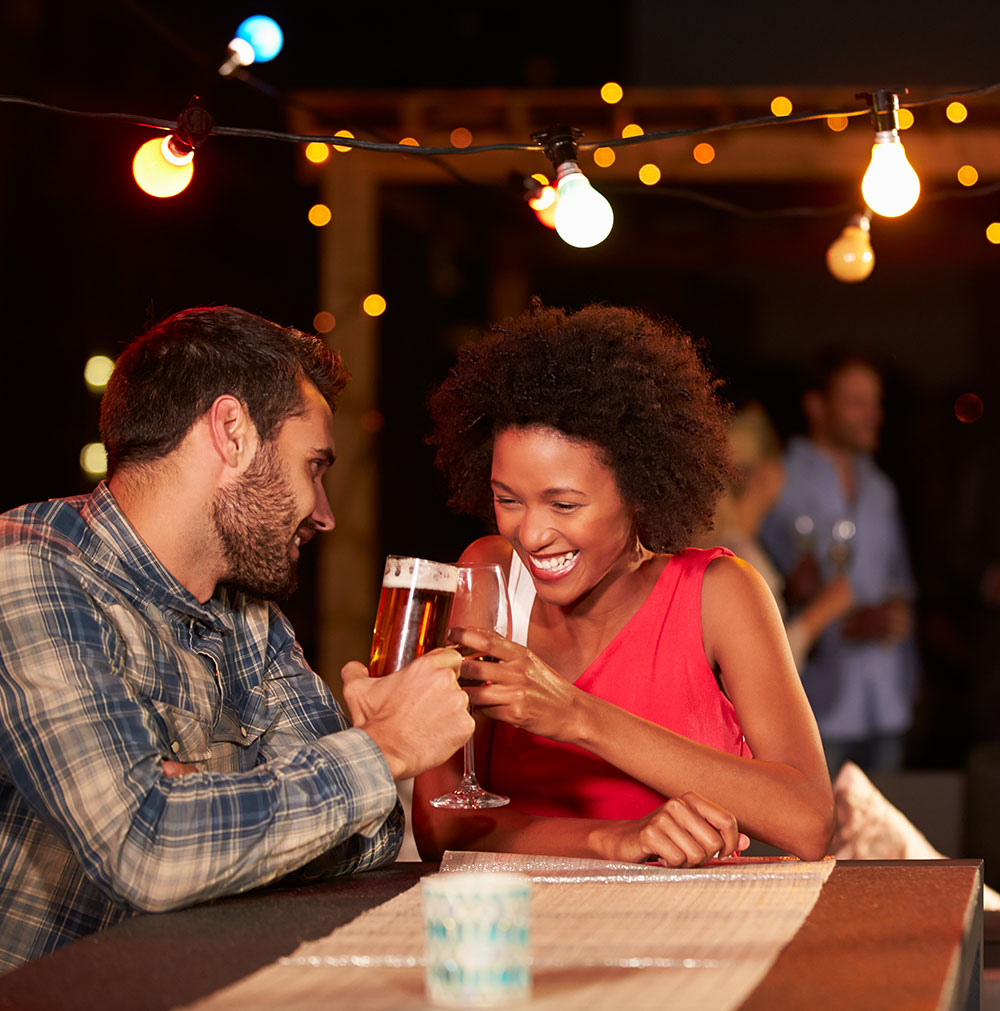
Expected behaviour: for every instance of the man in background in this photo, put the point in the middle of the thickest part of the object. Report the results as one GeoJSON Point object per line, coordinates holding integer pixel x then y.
{"type": "Point", "coordinates": [162, 738]}
{"type": "Point", "coordinates": [838, 515]}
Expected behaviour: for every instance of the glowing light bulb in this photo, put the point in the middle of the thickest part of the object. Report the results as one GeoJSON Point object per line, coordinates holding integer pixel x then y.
{"type": "Point", "coordinates": [544, 205]}
{"type": "Point", "coordinates": [890, 186]}
{"type": "Point", "coordinates": [258, 39]}
{"type": "Point", "coordinates": [264, 35]}
{"type": "Point", "coordinates": [162, 168]}
{"type": "Point", "coordinates": [583, 217]}
{"type": "Point", "coordinates": [850, 257]}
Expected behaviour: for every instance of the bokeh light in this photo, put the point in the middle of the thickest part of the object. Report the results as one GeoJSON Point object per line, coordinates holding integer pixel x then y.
{"type": "Point", "coordinates": [374, 304]}
{"type": "Point", "coordinates": [703, 153]}
{"type": "Point", "coordinates": [410, 142]}
{"type": "Point", "coordinates": [968, 175]}
{"type": "Point", "coordinates": [649, 174]}
{"type": "Point", "coordinates": [781, 106]}
{"type": "Point", "coordinates": [460, 137]}
{"type": "Point", "coordinates": [324, 322]}
{"type": "Point", "coordinates": [540, 177]}
{"type": "Point", "coordinates": [97, 371]}
{"type": "Point", "coordinates": [837, 123]}
{"type": "Point", "coordinates": [612, 93]}
{"type": "Point", "coordinates": [94, 461]}
{"type": "Point", "coordinates": [968, 408]}
{"type": "Point", "coordinates": [632, 130]}
{"type": "Point", "coordinates": [905, 119]}
{"type": "Point", "coordinates": [343, 147]}
{"type": "Point", "coordinates": [604, 157]}
{"type": "Point", "coordinates": [993, 232]}
{"type": "Point", "coordinates": [319, 215]}
{"type": "Point", "coordinates": [263, 34]}
{"type": "Point", "coordinates": [371, 421]}
{"type": "Point", "coordinates": [316, 152]}
{"type": "Point", "coordinates": [956, 112]}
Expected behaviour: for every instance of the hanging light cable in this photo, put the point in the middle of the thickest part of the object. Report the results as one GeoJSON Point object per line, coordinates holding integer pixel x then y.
{"type": "Point", "coordinates": [583, 217]}
{"type": "Point", "coordinates": [890, 186]}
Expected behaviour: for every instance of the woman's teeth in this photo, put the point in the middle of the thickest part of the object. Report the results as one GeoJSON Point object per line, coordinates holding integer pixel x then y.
{"type": "Point", "coordinates": [555, 563]}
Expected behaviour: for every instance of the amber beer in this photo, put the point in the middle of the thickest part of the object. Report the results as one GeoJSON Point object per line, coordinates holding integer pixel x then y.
{"type": "Point", "coordinates": [413, 611]}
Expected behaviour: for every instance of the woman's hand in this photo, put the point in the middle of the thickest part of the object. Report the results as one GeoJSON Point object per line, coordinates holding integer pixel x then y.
{"type": "Point", "coordinates": [686, 831]}
{"type": "Point", "coordinates": [519, 689]}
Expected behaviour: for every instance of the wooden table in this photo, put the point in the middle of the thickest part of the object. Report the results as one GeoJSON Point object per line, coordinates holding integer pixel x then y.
{"type": "Point", "coordinates": [893, 935]}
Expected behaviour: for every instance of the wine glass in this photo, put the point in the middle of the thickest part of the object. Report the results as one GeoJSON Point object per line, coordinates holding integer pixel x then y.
{"type": "Point", "coordinates": [480, 602]}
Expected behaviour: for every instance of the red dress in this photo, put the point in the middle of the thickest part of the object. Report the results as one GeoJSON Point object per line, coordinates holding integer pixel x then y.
{"type": "Point", "coordinates": [656, 668]}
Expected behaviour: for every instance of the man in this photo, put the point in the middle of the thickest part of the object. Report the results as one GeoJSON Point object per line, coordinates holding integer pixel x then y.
{"type": "Point", "coordinates": [838, 514]}
{"type": "Point", "coordinates": [162, 739]}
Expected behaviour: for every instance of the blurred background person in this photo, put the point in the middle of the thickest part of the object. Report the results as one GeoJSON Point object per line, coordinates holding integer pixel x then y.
{"type": "Point", "coordinates": [755, 483]}
{"type": "Point", "coordinates": [838, 514]}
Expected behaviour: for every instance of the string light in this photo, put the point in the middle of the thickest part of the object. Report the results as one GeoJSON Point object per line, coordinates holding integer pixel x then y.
{"type": "Point", "coordinates": [890, 186]}
{"type": "Point", "coordinates": [258, 39]}
{"type": "Point", "coordinates": [163, 167]}
{"type": "Point", "coordinates": [583, 217]}
{"type": "Point", "coordinates": [850, 257]}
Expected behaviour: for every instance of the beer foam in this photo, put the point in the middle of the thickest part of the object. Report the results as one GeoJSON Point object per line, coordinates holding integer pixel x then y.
{"type": "Point", "coordinates": [420, 573]}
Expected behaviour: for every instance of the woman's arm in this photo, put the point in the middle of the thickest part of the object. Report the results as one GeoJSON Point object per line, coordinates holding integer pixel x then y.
{"type": "Point", "coordinates": [781, 796]}
{"type": "Point", "coordinates": [685, 831]}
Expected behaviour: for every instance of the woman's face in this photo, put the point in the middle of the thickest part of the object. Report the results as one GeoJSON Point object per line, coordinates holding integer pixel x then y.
{"type": "Point", "coordinates": [560, 508]}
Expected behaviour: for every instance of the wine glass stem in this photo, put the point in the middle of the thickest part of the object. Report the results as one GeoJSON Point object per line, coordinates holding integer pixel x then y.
{"type": "Point", "coordinates": [469, 769]}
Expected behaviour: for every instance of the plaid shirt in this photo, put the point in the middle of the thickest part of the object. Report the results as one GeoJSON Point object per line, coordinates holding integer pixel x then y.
{"type": "Point", "coordinates": [108, 666]}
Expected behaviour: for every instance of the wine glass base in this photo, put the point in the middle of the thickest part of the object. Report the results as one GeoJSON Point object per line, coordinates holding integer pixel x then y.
{"type": "Point", "coordinates": [470, 798]}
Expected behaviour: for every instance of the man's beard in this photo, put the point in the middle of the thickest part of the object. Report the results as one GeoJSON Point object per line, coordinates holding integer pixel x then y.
{"type": "Point", "coordinates": [255, 521]}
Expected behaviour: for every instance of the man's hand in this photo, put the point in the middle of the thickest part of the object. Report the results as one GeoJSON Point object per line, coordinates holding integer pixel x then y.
{"type": "Point", "coordinates": [889, 622]}
{"type": "Point", "coordinates": [418, 717]}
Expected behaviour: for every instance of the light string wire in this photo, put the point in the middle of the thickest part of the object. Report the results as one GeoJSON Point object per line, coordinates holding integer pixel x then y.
{"type": "Point", "coordinates": [416, 149]}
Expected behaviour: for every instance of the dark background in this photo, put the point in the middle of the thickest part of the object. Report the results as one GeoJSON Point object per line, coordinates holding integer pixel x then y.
{"type": "Point", "coordinates": [88, 260]}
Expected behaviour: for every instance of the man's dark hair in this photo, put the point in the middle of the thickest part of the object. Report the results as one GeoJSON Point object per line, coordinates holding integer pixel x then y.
{"type": "Point", "coordinates": [634, 387]}
{"type": "Point", "coordinates": [826, 365]}
{"type": "Point", "coordinates": [169, 377]}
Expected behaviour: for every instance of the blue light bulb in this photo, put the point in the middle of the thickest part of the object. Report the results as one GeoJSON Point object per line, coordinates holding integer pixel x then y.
{"type": "Point", "coordinates": [264, 36]}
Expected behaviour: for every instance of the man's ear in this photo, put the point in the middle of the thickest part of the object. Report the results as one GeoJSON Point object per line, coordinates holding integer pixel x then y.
{"type": "Point", "coordinates": [231, 430]}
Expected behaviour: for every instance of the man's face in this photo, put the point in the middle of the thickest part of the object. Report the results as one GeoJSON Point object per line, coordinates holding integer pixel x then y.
{"type": "Point", "coordinates": [853, 409]}
{"type": "Point", "coordinates": [277, 503]}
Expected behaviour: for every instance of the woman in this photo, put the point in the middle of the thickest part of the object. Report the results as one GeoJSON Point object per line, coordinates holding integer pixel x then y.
{"type": "Point", "coordinates": [648, 705]}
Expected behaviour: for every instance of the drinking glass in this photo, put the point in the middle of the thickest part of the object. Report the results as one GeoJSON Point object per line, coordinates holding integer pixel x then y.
{"type": "Point", "coordinates": [413, 611]}
{"type": "Point", "coordinates": [480, 602]}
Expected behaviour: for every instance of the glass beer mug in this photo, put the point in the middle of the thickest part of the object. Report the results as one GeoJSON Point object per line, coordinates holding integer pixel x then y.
{"type": "Point", "coordinates": [413, 611]}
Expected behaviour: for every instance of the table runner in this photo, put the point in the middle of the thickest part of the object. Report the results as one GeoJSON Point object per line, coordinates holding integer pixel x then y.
{"type": "Point", "coordinates": [604, 934]}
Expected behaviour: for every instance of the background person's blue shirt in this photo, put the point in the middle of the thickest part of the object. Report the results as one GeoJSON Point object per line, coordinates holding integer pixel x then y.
{"type": "Point", "coordinates": [857, 689]}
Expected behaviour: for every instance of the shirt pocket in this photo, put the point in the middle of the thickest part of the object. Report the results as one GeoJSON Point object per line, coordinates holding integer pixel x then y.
{"type": "Point", "coordinates": [188, 738]}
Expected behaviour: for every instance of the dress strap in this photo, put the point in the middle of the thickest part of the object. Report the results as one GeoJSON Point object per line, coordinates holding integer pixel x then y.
{"type": "Point", "coordinates": [521, 591]}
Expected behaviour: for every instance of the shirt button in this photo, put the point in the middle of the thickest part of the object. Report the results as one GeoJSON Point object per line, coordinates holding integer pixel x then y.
{"type": "Point", "coordinates": [243, 731]}
{"type": "Point", "coordinates": [175, 746]}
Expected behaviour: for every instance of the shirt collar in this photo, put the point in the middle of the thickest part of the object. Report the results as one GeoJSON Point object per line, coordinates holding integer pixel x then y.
{"type": "Point", "coordinates": [146, 573]}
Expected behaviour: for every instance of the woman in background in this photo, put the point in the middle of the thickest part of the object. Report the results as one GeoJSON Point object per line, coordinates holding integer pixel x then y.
{"type": "Point", "coordinates": [648, 705]}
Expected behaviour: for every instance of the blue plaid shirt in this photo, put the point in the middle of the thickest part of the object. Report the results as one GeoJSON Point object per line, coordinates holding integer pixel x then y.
{"type": "Point", "coordinates": [108, 666]}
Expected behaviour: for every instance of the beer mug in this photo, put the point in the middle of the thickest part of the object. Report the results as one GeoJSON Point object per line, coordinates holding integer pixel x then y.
{"type": "Point", "coordinates": [413, 611]}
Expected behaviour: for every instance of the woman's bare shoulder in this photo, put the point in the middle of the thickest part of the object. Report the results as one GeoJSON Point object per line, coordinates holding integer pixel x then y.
{"type": "Point", "coordinates": [492, 550]}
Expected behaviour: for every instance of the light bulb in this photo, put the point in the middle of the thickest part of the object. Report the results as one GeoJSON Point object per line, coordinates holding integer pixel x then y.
{"type": "Point", "coordinates": [544, 205]}
{"type": "Point", "coordinates": [258, 39]}
{"type": "Point", "coordinates": [264, 34]}
{"type": "Point", "coordinates": [583, 217]}
{"type": "Point", "coordinates": [890, 186]}
{"type": "Point", "coordinates": [850, 257]}
{"type": "Point", "coordinates": [162, 168]}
